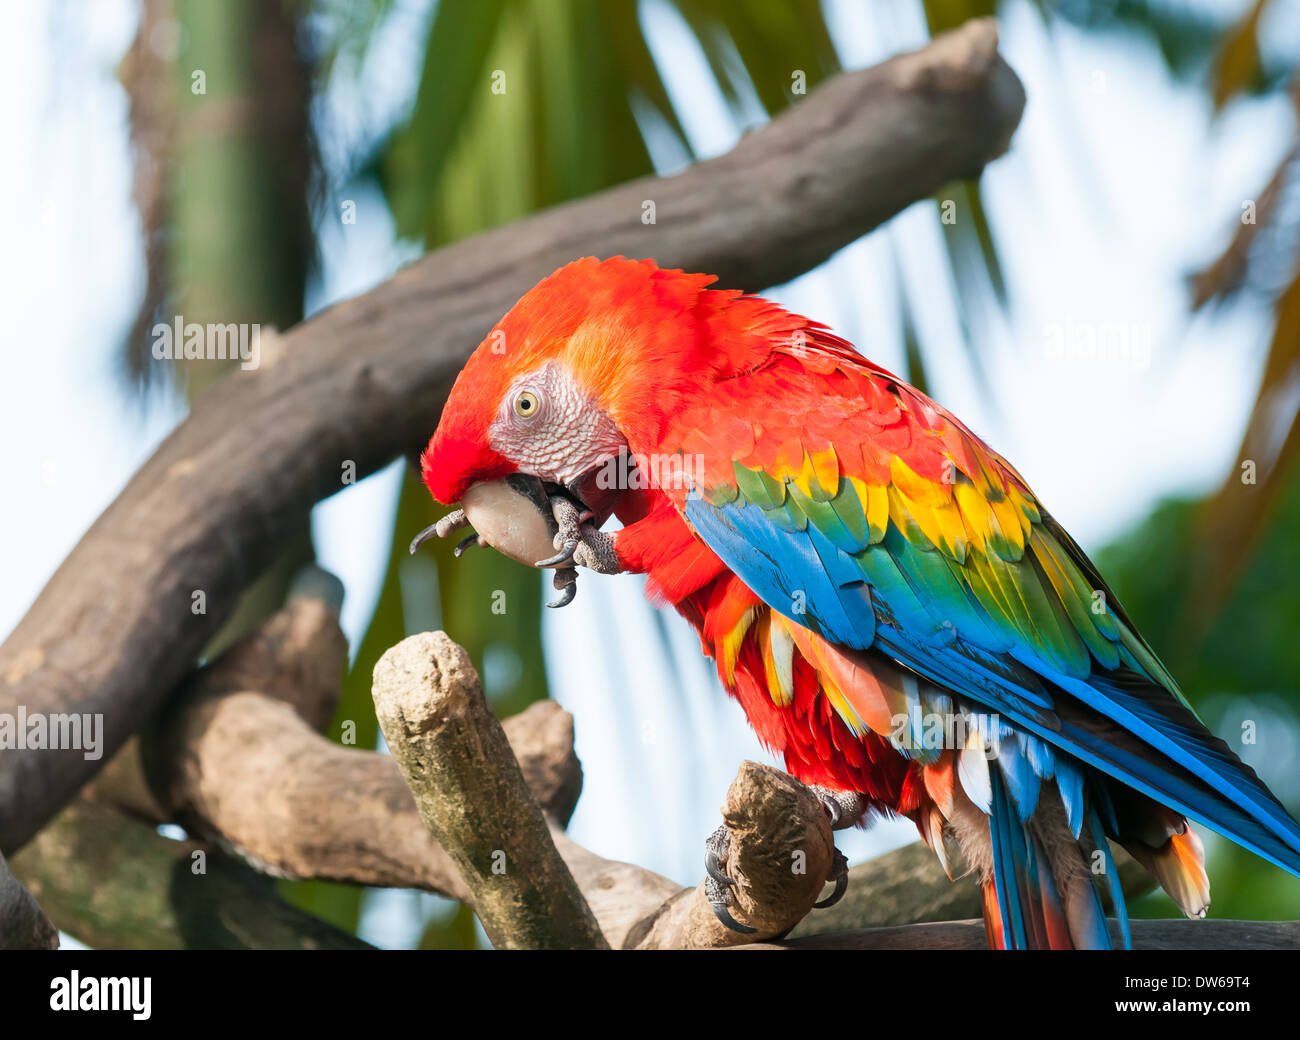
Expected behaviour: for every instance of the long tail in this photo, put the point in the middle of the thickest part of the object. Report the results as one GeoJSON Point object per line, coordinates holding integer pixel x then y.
{"type": "Point", "coordinates": [1047, 884]}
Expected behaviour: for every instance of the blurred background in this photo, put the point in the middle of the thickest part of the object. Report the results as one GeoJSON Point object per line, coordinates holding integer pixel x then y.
{"type": "Point", "coordinates": [1116, 309]}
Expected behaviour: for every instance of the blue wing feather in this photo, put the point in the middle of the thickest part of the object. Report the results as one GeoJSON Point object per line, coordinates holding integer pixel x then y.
{"type": "Point", "coordinates": [1171, 761]}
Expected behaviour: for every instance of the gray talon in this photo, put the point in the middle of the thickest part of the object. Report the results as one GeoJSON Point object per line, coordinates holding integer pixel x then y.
{"type": "Point", "coordinates": [465, 543]}
{"type": "Point", "coordinates": [844, 808]}
{"type": "Point", "coordinates": [578, 542]}
{"type": "Point", "coordinates": [565, 582]}
{"type": "Point", "coordinates": [423, 537]}
{"type": "Point", "coordinates": [563, 556]}
{"type": "Point", "coordinates": [717, 884]}
{"type": "Point", "coordinates": [713, 867]}
{"type": "Point", "coordinates": [840, 875]}
{"type": "Point", "coordinates": [721, 912]}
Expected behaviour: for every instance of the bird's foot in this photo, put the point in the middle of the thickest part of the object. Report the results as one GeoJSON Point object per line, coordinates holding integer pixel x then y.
{"type": "Point", "coordinates": [839, 875]}
{"type": "Point", "coordinates": [717, 883]}
{"type": "Point", "coordinates": [580, 545]}
{"type": "Point", "coordinates": [453, 521]}
{"type": "Point", "coordinates": [844, 808]}
{"type": "Point", "coordinates": [579, 542]}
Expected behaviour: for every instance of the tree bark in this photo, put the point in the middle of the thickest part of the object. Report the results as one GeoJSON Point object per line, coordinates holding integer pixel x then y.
{"type": "Point", "coordinates": [115, 883]}
{"type": "Point", "coordinates": [22, 924]}
{"type": "Point", "coordinates": [472, 796]}
{"type": "Point", "coordinates": [237, 757]}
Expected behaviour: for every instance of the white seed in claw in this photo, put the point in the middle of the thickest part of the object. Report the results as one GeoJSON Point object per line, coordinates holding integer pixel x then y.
{"type": "Point", "coordinates": [509, 521]}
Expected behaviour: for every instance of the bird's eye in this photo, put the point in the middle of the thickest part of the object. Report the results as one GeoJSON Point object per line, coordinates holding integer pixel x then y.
{"type": "Point", "coordinates": [526, 405]}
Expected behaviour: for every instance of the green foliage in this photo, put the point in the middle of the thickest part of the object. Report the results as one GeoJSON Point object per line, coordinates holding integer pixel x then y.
{"type": "Point", "coordinates": [520, 106]}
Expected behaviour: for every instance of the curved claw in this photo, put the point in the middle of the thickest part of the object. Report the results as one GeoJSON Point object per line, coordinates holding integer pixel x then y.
{"type": "Point", "coordinates": [840, 875]}
{"type": "Point", "coordinates": [423, 537]}
{"type": "Point", "coordinates": [467, 542]}
{"type": "Point", "coordinates": [717, 882]}
{"type": "Point", "coordinates": [566, 597]}
{"type": "Point", "coordinates": [721, 912]}
{"type": "Point", "coordinates": [563, 556]}
{"type": "Point", "coordinates": [841, 886]}
{"type": "Point", "coordinates": [566, 583]}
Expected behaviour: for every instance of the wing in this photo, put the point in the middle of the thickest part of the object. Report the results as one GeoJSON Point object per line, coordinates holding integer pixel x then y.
{"type": "Point", "coordinates": [851, 503]}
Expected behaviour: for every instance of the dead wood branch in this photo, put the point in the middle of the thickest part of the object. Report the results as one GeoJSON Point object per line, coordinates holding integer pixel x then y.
{"type": "Point", "coordinates": [472, 796]}
{"type": "Point", "coordinates": [236, 759]}
{"type": "Point", "coordinates": [781, 850]}
{"type": "Point", "coordinates": [115, 883]}
{"type": "Point", "coordinates": [908, 886]}
{"type": "Point", "coordinates": [22, 924]}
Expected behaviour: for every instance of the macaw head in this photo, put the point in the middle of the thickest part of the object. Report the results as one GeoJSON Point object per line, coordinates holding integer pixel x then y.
{"type": "Point", "coordinates": [584, 367]}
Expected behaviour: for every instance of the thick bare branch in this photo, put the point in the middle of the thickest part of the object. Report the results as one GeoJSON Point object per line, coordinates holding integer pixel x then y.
{"type": "Point", "coordinates": [115, 883]}
{"type": "Point", "coordinates": [250, 772]}
{"type": "Point", "coordinates": [364, 381]}
{"type": "Point", "coordinates": [22, 924]}
{"type": "Point", "coordinates": [235, 758]}
{"type": "Point", "coordinates": [780, 853]}
{"type": "Point", "coordinates": [908, 886]}
{"type": "Point", "coordinates": [473, 798]}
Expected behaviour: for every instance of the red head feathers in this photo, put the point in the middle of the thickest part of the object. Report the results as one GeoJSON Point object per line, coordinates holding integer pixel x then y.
{"type": "Point", "coordinates": [622, 338]}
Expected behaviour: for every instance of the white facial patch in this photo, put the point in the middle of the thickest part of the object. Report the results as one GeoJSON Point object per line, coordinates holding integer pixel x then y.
{"type": "Point", "coordinates": [508, 521]}
{"type": "Point", "coordinates": [565, 435]}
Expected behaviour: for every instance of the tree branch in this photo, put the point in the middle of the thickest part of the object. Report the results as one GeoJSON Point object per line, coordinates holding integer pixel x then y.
{"type": "Point", "coordinates": [22, 924]}
{"type": "Point", "coordinates": [363, 382]}
{"type": "Point", "coordinates": [780, 853]}
{"type": "Point", "coordinates": [235, 759]}
{"type": "Point", "coordinates": [115, 883]}
{"type": "Point", "coordinates": [908, 886]}
{"type": "Point", "coordinates": [472, 796]}
{"type": "Point", "coordinates": [239, 759]}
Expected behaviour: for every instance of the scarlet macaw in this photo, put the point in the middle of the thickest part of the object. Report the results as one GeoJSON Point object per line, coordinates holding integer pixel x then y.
{"type": "Point", "coordinates": [895, 611]}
